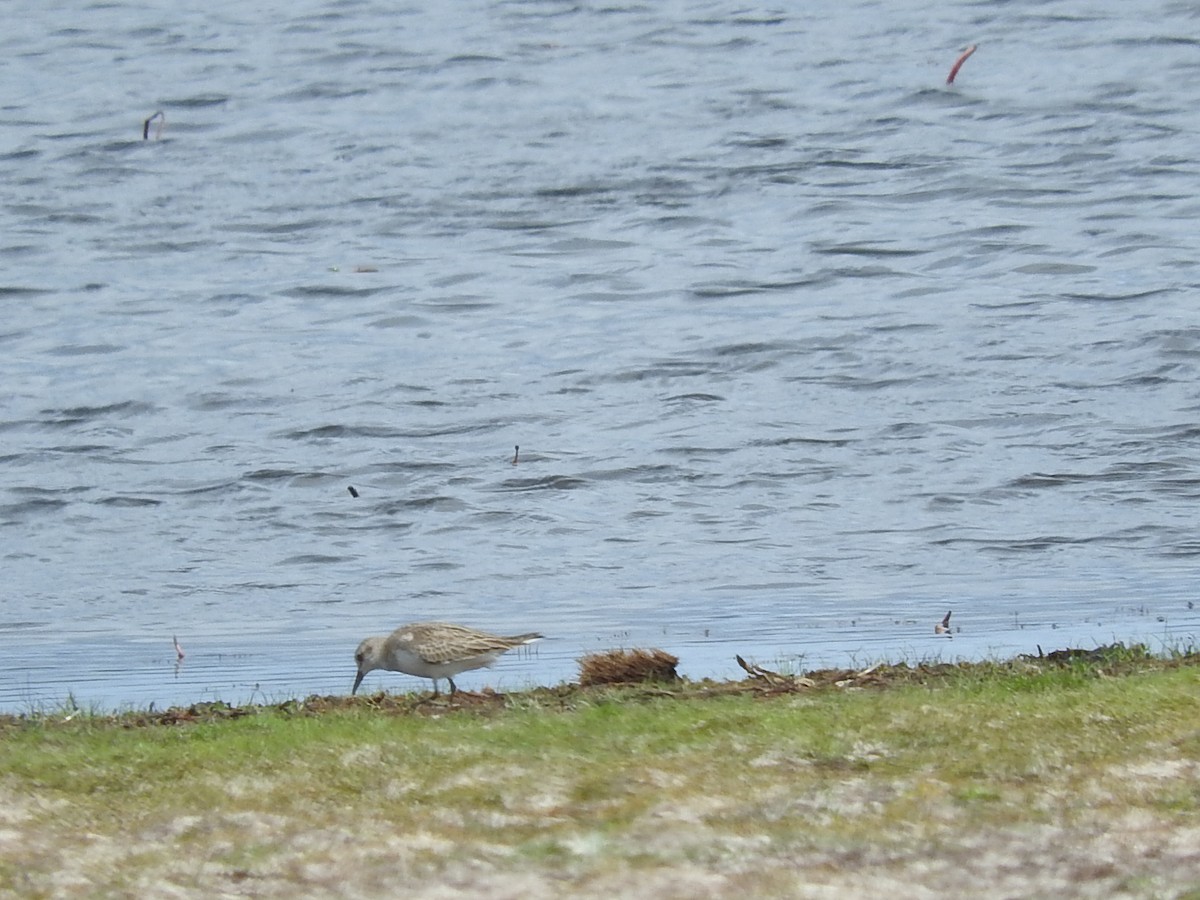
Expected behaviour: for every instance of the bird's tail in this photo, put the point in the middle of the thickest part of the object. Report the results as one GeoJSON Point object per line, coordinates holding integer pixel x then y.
{"type": "Point", "coordinates": [525, 638]}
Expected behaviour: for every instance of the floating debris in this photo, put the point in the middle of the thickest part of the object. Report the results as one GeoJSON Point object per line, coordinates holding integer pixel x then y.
{"type": "Point", "coordinates": [958, 63]}
{"type": "Point", "coordinates": [353, 492]}
{"type": "Point", "coordinates": [162, 121]}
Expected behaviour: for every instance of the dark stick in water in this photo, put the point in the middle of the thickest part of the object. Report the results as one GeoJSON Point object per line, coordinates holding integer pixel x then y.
{"type": "Point", "coordinates": [162, 120]}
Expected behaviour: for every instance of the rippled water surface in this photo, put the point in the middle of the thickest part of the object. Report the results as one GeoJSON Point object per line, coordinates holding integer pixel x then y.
{"type": "Point", "coordinates": [801, 346]}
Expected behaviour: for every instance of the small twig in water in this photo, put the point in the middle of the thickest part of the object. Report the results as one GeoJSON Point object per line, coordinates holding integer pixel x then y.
{"type": "Point", "coordinates": [958, 63]}
{"type": "Point", "coordinates": [516, 453]}
{"type": "Point", "coordinates": [162, 120]}
{"type": "Point", "coordinates": [353, 492]}
{"type": "Point", "coordinates": [178, 649]}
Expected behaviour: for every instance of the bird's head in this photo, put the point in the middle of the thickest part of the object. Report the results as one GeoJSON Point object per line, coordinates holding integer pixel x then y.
{"type": "Point", "coordinates": [368, 657]}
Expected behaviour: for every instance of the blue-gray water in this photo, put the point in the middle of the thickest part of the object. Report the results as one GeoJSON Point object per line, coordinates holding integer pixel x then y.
{"type": "Point", "coordinates": [802, 347]}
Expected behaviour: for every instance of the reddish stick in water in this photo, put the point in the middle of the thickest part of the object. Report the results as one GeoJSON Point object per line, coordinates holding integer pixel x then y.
{"type": "Point", "coordinates": [958, 63]}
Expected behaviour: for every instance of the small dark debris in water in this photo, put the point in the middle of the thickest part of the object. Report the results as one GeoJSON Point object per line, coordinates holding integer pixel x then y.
{"type": "Point", "coordinates": [162, 120]}
{"type": "Point", "coordinates": [516, 453]}
{"type": "Point", "coordinates": [353, 492]}
{"type": "Point", "coordinates": [627, 667]}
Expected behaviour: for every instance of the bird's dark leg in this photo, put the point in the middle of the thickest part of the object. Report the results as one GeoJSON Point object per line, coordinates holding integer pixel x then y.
{"type": "Point", "coordinates": [452, 687]}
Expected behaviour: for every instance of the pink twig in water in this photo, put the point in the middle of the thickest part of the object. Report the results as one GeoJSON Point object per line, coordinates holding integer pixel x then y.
{"type": "Point", "coordinates": [178, 649]}
{"type": "Point", "coordinates": [958, 63]}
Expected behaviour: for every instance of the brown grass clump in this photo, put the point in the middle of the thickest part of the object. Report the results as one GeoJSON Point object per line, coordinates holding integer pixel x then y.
{"type": "Point", "coordinates": [627, 667]}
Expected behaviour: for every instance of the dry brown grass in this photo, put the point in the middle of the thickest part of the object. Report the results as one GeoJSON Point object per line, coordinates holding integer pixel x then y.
{"type": "Point", "coordinates": [627, 667]}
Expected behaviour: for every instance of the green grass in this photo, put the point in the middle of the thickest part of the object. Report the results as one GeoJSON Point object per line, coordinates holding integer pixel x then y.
{"type": "Point", "coordinates": [564, 788]}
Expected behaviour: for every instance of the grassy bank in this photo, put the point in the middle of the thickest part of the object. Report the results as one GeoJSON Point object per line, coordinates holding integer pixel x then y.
{"type": "Point", "coordinates": [1015, 779]}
